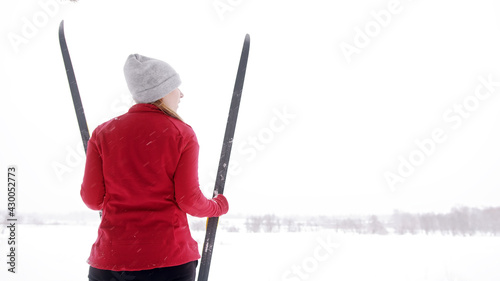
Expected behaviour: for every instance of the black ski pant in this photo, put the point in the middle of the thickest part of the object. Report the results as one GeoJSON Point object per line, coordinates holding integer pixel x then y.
{"type": "Point", "coordinates": [184, 272]}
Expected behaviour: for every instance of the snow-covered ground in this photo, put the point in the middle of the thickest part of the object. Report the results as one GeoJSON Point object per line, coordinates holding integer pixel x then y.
{"type": "Point", "coordinates": [59, 252]}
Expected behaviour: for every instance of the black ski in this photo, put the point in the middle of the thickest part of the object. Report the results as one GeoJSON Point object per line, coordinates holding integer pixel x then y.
{"type": "Point", "coordinates": [75, 94]}
{"type": "Point", "coordinates": [208, 245]}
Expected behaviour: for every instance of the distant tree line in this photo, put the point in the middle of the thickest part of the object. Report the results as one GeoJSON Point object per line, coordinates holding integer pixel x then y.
{"type": "Point", "coordinates": [459, 221]}
{"type": "Point", "coordinates": [464, 221]}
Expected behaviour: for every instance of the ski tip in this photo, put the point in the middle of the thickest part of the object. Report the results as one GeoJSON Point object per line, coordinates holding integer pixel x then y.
{"type": "Point", "coordinates": [247, 37]}
{"type": "Point", "coordinates": [61, 27]}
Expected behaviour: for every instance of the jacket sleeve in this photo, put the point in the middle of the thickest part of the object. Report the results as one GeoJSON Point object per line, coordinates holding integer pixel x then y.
{"type": "Point", "coordinates": [187, 190]}
{"type": "Point", "coordinates": [93, 189]}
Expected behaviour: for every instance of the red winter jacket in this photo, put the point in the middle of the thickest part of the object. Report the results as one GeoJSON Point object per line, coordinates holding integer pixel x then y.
{"type": "Point", "coordinates": [142, 171]}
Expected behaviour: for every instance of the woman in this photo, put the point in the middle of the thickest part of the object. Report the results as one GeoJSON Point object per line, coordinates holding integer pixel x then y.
{"type": "Point", "coordinates": [142, 172]}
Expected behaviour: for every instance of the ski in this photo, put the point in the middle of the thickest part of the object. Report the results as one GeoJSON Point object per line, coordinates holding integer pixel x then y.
{"type": "Point", "coordinates": [208, 244]}
{"type": "Point", "coordinates": [75, 94]}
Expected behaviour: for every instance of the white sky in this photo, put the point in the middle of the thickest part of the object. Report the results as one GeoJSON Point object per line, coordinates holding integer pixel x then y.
{"type": "Point", "coordinates": [315, 134]}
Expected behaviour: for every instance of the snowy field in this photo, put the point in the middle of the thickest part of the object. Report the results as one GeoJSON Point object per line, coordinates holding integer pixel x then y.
{"type": "Point", "coordinates": [59, 252]}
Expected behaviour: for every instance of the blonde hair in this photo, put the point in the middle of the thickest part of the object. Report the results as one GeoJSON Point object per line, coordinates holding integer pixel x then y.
{"type": "Point", "coordinates": [159, 103]}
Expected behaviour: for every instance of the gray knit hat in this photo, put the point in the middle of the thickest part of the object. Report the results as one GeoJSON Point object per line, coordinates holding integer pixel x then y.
{"type": "Point", "coordinates": [149, 79]}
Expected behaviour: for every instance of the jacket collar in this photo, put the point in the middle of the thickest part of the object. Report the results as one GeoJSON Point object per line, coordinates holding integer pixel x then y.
{"type": "Point", "coordinates": [143, 107]}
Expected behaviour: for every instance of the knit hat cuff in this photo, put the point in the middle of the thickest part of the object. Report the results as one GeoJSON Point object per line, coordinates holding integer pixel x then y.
{"type": "Point", "coordinates": [159, 91]}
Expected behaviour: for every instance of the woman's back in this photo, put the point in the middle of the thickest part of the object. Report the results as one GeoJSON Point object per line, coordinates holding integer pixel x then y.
{"type": "Point", "coordinates": [139, 153]}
